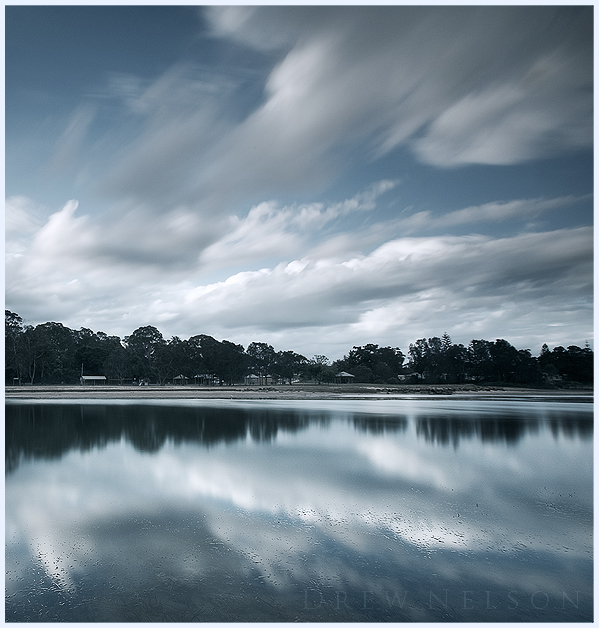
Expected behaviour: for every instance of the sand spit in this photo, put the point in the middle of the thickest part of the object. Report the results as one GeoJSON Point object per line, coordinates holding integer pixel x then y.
{"type": "Point", "coordinates": [293, 392]}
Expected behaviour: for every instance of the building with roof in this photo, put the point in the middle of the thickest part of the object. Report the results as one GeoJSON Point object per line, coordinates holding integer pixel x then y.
{"type": "Point", "coordinates": [92, 379]}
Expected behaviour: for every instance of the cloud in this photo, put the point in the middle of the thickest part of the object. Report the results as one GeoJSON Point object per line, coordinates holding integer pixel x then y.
{"type": "Point", "coordinates": [21, 216]}
{"type": "Point", "coordinates": [177, 121]}
{"type": "Point", "coordinates": [318, 292]}
{"type": "Point", "coordinates": [137, 271]}
{"type": "Point", "coordinates": [67, 150]}
{"type": "Point", "coordinates": [22, 219]}
{"type": "Point", "coordinates": [497, 211]}
{"type": "Point", "coordinates": [469, 286]}
{"type": "Point", "coordinates": [272, 231]}
{"type": "Point", "coordinates": [337, 85]}
{"type": "Point", "coordinates": [135, 241]}
{"type": "Point", "coordinates": [420, 76]}
{"type": "Point", "coordinates": [544, 112]}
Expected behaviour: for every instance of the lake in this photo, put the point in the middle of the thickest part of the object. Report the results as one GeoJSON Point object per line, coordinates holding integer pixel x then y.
{"type": "Point", "coordinates": [423, 509]}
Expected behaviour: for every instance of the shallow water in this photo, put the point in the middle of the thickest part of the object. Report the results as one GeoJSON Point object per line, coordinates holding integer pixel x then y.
{"type": "Point", "coordinates": [378, 510]}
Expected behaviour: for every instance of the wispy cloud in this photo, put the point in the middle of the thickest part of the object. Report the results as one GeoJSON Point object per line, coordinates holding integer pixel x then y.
{"type": "Point", "coordinates": [519, 210]}
{"type": "Point", "coordinates": [533, 108]}
{"type": "Point", "coordinates": [67, 150]}
{"type": "Point", "coordinates": [546, 110]}
{"type": "Point", "coordinates": [272, 231]}
{"type": "Point", "coordinates": [355, 80]}
{"type": "Point", "coordinates": [462, 283]}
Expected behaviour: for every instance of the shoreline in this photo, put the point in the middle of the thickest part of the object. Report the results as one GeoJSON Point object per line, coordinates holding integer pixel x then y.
{"type": "Point", "coordinates": [285, 392]}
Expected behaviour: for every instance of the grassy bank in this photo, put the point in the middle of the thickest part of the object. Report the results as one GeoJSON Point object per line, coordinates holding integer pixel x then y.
{"type": "Point", "coordinates": [296, 391]}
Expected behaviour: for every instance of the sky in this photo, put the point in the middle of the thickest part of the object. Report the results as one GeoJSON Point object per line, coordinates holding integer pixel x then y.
{"type": "Point", "coordinates": [307, 176]}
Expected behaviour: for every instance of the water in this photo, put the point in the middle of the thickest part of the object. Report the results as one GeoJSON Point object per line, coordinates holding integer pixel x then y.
{"type": "Point", "coordinates": [378, 510]}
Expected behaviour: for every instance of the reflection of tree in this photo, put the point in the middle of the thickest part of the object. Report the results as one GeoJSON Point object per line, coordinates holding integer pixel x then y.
{"type": "Point", "coordinates": [377, 424]}
{"type": "Point", "coordinates": [508, 429]}
{"type": "Point", "coordinates": [571, 428]}
{"type": "Point", "coordinates": [48, 430]}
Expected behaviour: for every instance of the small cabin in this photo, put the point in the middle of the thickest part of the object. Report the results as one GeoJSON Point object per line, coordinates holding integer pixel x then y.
{"type": "Point", "coordinates": [92, 380]}
{"type": "Point", "coordinates": [206, 379]}
{"type": "Point", "coordinates": [258, 380]}
{"type": "Point", "coordinates": [344, 378]}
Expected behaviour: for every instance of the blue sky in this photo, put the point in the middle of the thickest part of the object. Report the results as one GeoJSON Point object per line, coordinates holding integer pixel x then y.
{"type": "Point", "coordinates": [311, 177]}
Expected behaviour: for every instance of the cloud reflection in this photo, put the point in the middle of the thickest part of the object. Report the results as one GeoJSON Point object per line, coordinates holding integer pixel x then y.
{"type": "Point", "coordinates": [345, 507]}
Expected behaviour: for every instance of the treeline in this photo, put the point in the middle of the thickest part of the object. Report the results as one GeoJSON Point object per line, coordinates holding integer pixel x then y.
{"type": "Point", "coordinates": [51, 353]}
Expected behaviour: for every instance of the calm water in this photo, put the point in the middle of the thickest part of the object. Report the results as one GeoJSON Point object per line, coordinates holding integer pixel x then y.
{"type": "Point", "coordinates": [378, 510]}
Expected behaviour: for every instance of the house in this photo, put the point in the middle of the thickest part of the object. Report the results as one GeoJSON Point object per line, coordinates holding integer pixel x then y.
{"type": "Point", "coordinates": [404, 377]}
{"type": "Point", "coordinates": [344, 378]}
{"type": "Point", "coordinates": [253, 380]}
{"type": "Point", "coordinates": [206, 378]}
{"type": "Point", "coordinates": [92, 379]}
{"type": "Point", "coordinates": [181, 380]}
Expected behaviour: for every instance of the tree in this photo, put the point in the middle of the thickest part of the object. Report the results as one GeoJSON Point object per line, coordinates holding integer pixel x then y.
{"type": "Point", "coordinates": [53, 353]}
{"type": "Point", "coordinates": [92, 350]}
{"type": "Point", "coordinates": [327, 375]}
{"type": "Point", "coordinates": [287, 364]}
{"type": "Point", "coordinates": [195, 354]}
{"type": "Point", "coordinates": [261, 357]}
{"type": "Point", "coordinates": [175, 358]}
{"type": "Point", "coordinates": [116, 363]}
{"type": "Point", "coordinates": [363, 374]}
{"type": "Point", "coordinates": [527, 370]}
{"type": "Point", "coordinates": [50, 348]}
{"type": "Point", "coordinates": [13, 350]}
{"type": "Point", "coordinates": [315, 366]}
{"type": "Point", "coordinates": [504, 358]}
{"type": "Point", "coordinates": [436, 360]}
{"type": "Point", "coordinates": [572, 364]}
{"type": "Point", "coordinates": [372, 363]}
{"type": "Point", "coordinates": [544, 358]}
{"type": "Point", "coordinates": [163, 362]}
{"type": "Point", "coordinates": [230, 362]}
{"type": "Point", "coordinates": [456, 360]}
{"type": "Point", "coordinates": [479, 362]}
{"type": "Point", "coordinates": [418, 356]}
{"type": "Point", "coordinates": [580, 364]}
{"type": "Point", "coordinates": [142, 346]}
{"type": "Point", "coordinates": [204, 355]}
{"type": "Point", "coordinates": [429, 358]}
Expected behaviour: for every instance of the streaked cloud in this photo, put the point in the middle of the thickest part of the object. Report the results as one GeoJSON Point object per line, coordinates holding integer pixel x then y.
{"type": "Point", "coordinates": [518, 210]}
{"type": "Point", "coordinates": [471, 284]}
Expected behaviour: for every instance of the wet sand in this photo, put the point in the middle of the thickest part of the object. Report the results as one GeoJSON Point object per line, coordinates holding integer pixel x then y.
{"type": "Point", "coordinates": [282, 392]}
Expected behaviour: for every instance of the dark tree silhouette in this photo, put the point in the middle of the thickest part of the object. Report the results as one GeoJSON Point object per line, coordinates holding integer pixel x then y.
{"type": "Point", "coordinates": [51, 353]}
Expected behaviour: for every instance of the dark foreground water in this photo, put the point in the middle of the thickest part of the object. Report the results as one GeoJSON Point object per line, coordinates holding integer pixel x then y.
{"type": "Point", "coordinates": [379, 510]}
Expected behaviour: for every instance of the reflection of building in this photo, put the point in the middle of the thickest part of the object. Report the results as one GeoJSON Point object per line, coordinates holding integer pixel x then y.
{"type": "Point", "coordinates": [344, 378]}
{"type": "Point", "coordinates": [92, 379]}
